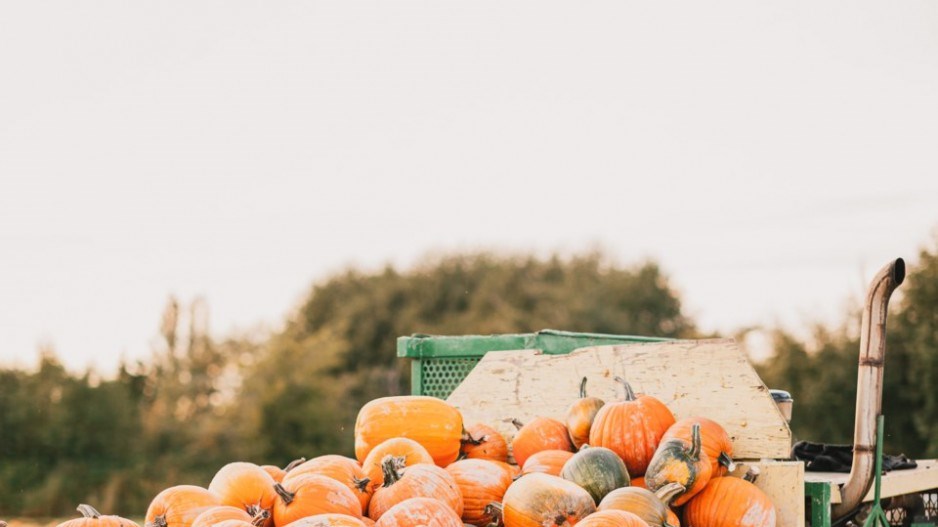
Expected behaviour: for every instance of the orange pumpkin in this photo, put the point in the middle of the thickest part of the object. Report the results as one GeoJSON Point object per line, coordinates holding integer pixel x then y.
{"type": "Point", "coordinates": [312, 494]}
{"type": "Point", "coordinates": [580, 416]}
{"type": "Point", "coordinates": [612, 518]}
{"type": "Point", "coordinates": [638, 482]}
{"type": "Point", "coordinates": [179, 506]}
{"type": "Point", "coordinates": [546, 461]}
{"type": "Point", "coordinates": [632, 428]}
{"type": "Point", "coordinates": [730, 502]}
{"type": "Point", "coordinates": [245, 485]}
{"type": "Point", "coordinates": [677, 461]}
{"type": "Point", "coordinates": [538, 499]}
{"type": "Point", "coordinates": [714, 441]}
{"type": "Point", "coordinates": [92, 518]}
{"type": "Point", "coordinates": [484, 442]}
{"type": "Point", "coordinates": [513, 470]}
{"type": "Point", "coordinates": [275, 472]}
{"type": "Point", "coordinates": [437, 426]}
{"type": "Point", "coordinates": [328, 520]}
{"type": "Point", "coordinates": [233, 523]}
{"type": "Point", "coordinates": [417, 481]}
{"type": "Point", "coordinates": [406, 452]}
{"type": "Point", "coordinates": [226, 512]}
{"type": "Point", "coordinates": [343, 469]}
{"type": "Point", "coordinates": [650, 507]}
{"type": "Point", "coordinates": [480, 482]}
{"type": "Point", "coordinates": [368, 521]}
{"type": "Point", "coordinates": [673, 520]}
{"type": "Point", "coordinates": [541, 433]}
{"type": "Point", "coordinates": [423, 512]}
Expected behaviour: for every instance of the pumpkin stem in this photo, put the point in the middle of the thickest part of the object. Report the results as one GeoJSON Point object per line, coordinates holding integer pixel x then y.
{"type": "Point", "coordinates": [159, 521]}
{"type": "Point", "coordinates": [293, 464]}
{"type": "Point", "coordinates": [88, 511]}
{"type": "Point", "coordinates": [469, 440]}
{"type": "Point", "coordinates": [583, 388]}
{"type": "Point", "coordinates": [284, 494]}
{"type": "Point", "coordinates": [669, 492]}
{"type": "Point", "coordinates": [629, 393]}
{"type": "Point", "coordinates": [361, 484]}
{"type": "Point", "coordinates": [260, 518]}
{"type": "Point", "coordinates": [694, 451]}
{"type": "Point", "coordinates": [390, 467]}
{"type": "Point", "coordinates": [495, 510]}
{"type": "Point", "coordinates": [583, 447]}
{"type": "Point", "coordinates": [518, 424]}
{"type": "Point", "coordinates": [752, 474]}
{"type": "Point", "coordinates": [725, 460]}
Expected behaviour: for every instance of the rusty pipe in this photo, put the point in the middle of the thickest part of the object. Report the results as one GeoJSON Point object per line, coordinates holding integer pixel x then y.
{"type": "Point", "coordinates": [869, 386]}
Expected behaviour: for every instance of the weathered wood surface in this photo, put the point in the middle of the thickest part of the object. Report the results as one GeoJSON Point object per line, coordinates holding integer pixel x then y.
{"type": "Point", "coordinates": [711, 378]}
{"type": "Point", "coordinates": [895, 483]}
{"type": "Point", "coordinates": [783, 483]}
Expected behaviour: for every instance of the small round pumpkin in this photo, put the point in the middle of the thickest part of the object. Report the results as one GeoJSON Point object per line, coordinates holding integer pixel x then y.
{"type": "Point", "coordinates": [541, 433]}
{"type": "Point", "coordinates": [245, 485]}
{"type": "Point", "coordinates": [537, 499]}
{"type": "Point", "coordinates": [580, 416]}
{"type": "Point", "coordinates": [677, 461]}
{"type": "Point", "coordinates": [596, 469]}
{"type": "Point", "coordinates": [547, 462]}
{"type": "Point", "coordinates": [343, 469]}
{"type": "Point", "coordinates": [632, 428]}
{"type": "Point", "coordinates": [422, 512]}
{"type": "Point", "coordinates": [92, 518]}
{"type": "Point", "coordinates": [422, 480]}
{"type": "Point", "coordinates": [406, 452]}
{"type": "Point", "coordinates": [730, 502]}
{"type": "Point", "coordinates": [480, 482]}
{"type": "Point", "coordinates": [312, 494]}
{"type": "Point", "coordinates": [214, 515]}
{"type": "Point", "coordinates": [652, 508]}
{"type": "Point", "coordinates": [612, 518]}
{"type": "Point", "coordinates": [433, 423]}
{"type": "Point", "coordinates": [328, 520]}
{"type": "Point", "coordinates": [714, 440]}
{"type": "Point", "coordinates": [179, 506]}
{"type": "Point", "coordinates": [484, 442]}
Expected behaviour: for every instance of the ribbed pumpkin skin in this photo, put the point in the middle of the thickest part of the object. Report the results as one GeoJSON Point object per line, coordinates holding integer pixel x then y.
{"type": "Point", "coordinates": [541, 433]}
{"type": "Point", "coordinates": [730, 502]}
{"type": "Point", "coordinates": [400, 447]}
{"type": "Point", "coordinates": [343, 469]}
{"type": "Point", "coordinates": [547, 462]}
{"type": "Point", "coordinates": [677, 461]}
{"type": "Point", "coordinates": [328, 520]}
{"type": "Point", "coordinates": [485, 443]}
{"type": "Point", "coordinates": [219, 514]}
{"type": "Point", "coordinates": [612, 518]}
{"type": "Point", "coordinates": [367, 521]}
{"type": "Point", "coordinates": [713, 439]}
{"type": "Point", "coordinates": [480, 482]}
{"type": "Point", "coordinates": [421, 512]}
{"type": "Point", "coordinates": [312, 494]}
{"type": "Point", "coordinates": [580, 415]}
{"type": "Point", "coordinates": [537, 499]}
{"type": "Point", "coordinates": [233, 523]}
{"type": "Point", "coordinates": [244, 485]}
{"type": "Point", "coordinates": [93, 518]}
{"type": "Point", "coordinates": [598, 470]}
{"type": "Point", "coordinates": [513, 470]}
{"type": "Point", "coordinates": [178, 506]}
{"type": "Point", "coordinates": [429, 421]}
{"type": "Point", "coordinates": [641, 502]}
{"type": "Point", "coordinates": [418, 481]}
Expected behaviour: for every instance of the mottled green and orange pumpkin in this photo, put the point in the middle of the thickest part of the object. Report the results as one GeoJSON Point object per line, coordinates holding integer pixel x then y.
{"type": "Point", "coordinates": [580, 415]}
{"type": "Point", "coordinates": [598, 470]}
{"type": "Point", "coordinates": [677, 461]}
{"type": "Point", "coordinates": [651, 507]}
{"type": "Point", "coordinates": [714, 440]}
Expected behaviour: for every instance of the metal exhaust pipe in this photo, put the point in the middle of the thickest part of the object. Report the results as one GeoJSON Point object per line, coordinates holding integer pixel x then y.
{"type": "Point", "coordinates": [869, 386]}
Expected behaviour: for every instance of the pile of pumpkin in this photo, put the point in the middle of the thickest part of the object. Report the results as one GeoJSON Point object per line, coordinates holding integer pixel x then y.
{"type": "Point", "coordinates": [619, 464]}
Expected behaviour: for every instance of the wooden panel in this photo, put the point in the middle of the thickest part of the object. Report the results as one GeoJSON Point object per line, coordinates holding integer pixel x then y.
{"type": "Point", "coordinates": [895, 483]}
{"type": "Point", "coordinates": [783, 483]}
{"type": "Point", "coordinates": [711, 378]}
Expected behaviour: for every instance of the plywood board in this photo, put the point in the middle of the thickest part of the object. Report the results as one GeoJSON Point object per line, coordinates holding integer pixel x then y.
{"type": "Point", "coordinates": [711, 378]}
{"type": "Point", "coordinates": [895, 483]}
{"type": "Point", "coordinates": [783, 483]}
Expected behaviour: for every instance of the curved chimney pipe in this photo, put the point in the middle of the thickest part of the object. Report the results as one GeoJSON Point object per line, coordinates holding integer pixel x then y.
{"type": "Point", "coordinates": [869, 386]}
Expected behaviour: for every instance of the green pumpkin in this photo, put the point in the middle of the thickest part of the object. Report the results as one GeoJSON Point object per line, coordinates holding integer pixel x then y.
{"type": "Point", "coordinates": [598, 470]}
{"type": "Point", "coordinates": [677, 461]}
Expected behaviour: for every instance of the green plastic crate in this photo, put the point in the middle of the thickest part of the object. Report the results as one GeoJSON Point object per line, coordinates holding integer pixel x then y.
{"type": "Point", "coordinates": [440, 363]}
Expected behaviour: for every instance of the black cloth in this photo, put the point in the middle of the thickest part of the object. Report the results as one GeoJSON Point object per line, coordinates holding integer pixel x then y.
{"type": "Point", "coordinates": [819, 457]}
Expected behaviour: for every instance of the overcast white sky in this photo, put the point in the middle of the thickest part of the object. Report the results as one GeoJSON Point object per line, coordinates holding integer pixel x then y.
{"type": "Point", "coordinates": [771, 155]}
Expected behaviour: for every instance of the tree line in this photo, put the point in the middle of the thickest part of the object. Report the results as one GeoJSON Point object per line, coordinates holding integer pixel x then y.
{"type": "Point", "coordinates": [198, 402]}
